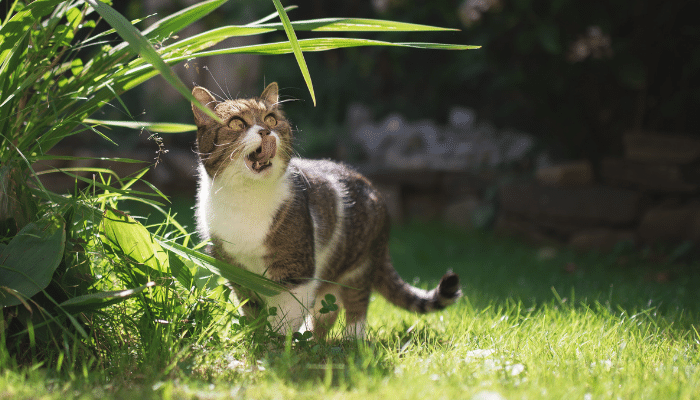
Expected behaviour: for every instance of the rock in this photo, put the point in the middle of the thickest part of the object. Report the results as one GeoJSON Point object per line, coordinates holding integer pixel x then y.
{"type": "Point", "coordinates": [661, 148]}
{"type": "Point", "coordinates": [515, 145]}
{"type": "Point", "coordinates": [577, 173]}
{"type": "Point", "coordinates": [587, 206]}
{"type": "Point", "coordinates": [670, 225]}
{"type": "Point", "coordinates": [461, 213]}
{"type": "Point", "coordinates": [462, 118]}
{"type": "Point", "coordinates": [357, 116]}
{"type": "Point", "coordinates": [654, 177]}
{"type": "Point", "coordinates": [604, 239]}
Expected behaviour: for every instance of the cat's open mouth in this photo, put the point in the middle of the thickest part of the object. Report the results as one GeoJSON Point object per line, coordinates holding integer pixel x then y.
{"type": "Point", "coordinates": [261, 159]}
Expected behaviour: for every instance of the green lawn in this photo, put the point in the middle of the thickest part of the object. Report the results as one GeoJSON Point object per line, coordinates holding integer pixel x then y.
{"type": "Point", "coordinates": [535, 323]}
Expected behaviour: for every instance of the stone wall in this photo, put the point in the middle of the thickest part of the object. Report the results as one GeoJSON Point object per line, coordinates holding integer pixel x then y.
{"type": "Point", "coordinates": [470, 174]}
{"type": "Point", "coordinates": [650, 195]}
{"type": "Point", "coordinates": [434, 171]}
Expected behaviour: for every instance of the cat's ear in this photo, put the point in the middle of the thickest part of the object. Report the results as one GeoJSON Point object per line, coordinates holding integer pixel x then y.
{"type": "Point", "coordinates": [207, 99]}
{"type": "Point", "coordinates": [271, 93]}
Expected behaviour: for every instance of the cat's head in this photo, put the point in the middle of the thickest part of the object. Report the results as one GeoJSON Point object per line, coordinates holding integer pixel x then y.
{"type": "Point", "coordinates": [253, 141]}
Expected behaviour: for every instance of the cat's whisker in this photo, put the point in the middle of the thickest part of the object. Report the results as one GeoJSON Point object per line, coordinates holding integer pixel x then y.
{"type": "Point", "coordinates": [228, 93]}
{"type": "Point", "coordinates": [285, 101]}
{"type": "Point", "coordinates": [215, 81]}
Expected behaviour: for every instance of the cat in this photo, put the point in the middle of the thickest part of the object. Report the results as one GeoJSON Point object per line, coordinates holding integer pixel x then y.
{"type": "Point", "coordinates": [317, 227]}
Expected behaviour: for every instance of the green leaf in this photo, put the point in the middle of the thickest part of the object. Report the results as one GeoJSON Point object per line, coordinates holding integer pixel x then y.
{"type": "Point", "coordinates": [321, 44]}
{"type": "Point", "coordinates": [20, 23]}
{"type": "Point", "coordinates": [160, 127]}
{"type": "Point", "coordinates": [74, 17]}
{"type": "Point", "coordinates": [29, 260]}
{"type": "Point", "coordinates": [145, 49]}
{"type": "Point", "coordinates": [212, 37]}
{"type": "Point", "coordinates": [245, 278]}
{"type": "Point", "coordinates": [356, 25]}
{"type": "Point", "coordinates": [72, 158]}
{"type": "Point", "coordinates": [175, 22]}
{"type": "Point", "coordinates": [133, 239]}
{"type": "Point", "coordinates": [76, 66]}
{"type": "Point", "coordinates": [181, 271]}
{"type": "Point", "coordinates": [99, 300]}
{"type": "Point", "coordinates": [271, 16]}
{"type": "Point", "coordinates": [295, 47]}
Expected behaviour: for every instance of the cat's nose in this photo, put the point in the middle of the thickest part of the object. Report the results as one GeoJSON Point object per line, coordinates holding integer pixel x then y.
{"type": "Point", "coordinates": [264, 132]}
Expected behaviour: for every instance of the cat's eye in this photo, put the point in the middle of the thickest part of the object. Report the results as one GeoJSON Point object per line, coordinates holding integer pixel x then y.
{"type": "Point", "coordinates": [237, 124]}
{"type": "Point", "coordinates": [270, 120]}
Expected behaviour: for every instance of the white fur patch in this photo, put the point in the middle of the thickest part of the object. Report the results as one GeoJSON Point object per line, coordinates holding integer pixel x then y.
{"type": "Point", "coordinates": [292, 308]}
{"type": "Point", "coordinates": [238, 205]}
{"type": "Point", "coordinates": [323, 253]}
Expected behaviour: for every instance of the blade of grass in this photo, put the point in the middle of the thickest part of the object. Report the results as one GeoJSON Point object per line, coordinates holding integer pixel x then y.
{"type": "Point", "coordinates": [99, 300]}
{"type": "Point", "coordinates": [296, 49]}
{"type": "Point", "coordinates": [173, 23]}
{"type": "Point", "coordinates": [356, 25]}
{"type": "Point", "coordinates": [211, 37]}
{"type": "Point", "coordinates": [319, 44]}
{"type": "Point", "coordinates": [160, 127]}
{"type": "Point", "coordinates": [271, 16]}
{"type": "Point", "coordinates": [248, 279]}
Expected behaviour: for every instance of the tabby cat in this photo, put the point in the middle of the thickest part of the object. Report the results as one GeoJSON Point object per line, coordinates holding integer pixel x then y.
{"type": "Point", "coordinates": [317, 227]}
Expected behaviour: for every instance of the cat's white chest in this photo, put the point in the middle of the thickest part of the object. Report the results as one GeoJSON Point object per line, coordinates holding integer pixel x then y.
{"type": "Point", "coordinates": [240, 216]}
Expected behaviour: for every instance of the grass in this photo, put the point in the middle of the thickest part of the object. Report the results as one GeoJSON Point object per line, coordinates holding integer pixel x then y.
{"type": "Point", "coordinates": [534, 323]}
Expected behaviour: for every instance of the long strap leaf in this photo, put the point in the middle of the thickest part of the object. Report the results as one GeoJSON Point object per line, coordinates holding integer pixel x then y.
{"type": "Point", "coordinates": [295, 47]}
{"type": "Point", "coordinates": [145, 49]}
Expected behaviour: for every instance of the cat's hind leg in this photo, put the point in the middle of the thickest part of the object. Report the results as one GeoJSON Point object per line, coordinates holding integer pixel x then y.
{"type": "Point", "coordinates": [321, 320]}
{"type": "Point", "coordinates": [354, 296]}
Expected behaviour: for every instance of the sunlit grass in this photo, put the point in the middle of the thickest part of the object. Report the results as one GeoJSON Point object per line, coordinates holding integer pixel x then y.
{"type": "Point", "coordinates": [528, 327]}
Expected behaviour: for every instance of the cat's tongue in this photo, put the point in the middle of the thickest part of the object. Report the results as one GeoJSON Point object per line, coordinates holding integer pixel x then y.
{"type": "Point", "coordinates": [266, 151]}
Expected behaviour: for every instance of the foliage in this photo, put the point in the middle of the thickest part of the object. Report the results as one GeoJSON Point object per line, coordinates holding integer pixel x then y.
{"type": "Point", "coordinates": [575, 74]}
{"type": "Point", "coordinates": [79, 277]}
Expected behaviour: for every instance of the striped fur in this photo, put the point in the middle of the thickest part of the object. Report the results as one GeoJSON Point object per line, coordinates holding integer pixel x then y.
{"type": "Point", "coordinates": [318, 227]}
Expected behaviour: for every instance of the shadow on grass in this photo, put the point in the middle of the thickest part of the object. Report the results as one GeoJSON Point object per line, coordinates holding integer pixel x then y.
{"type": "Point", "coordinates": [345, 364]}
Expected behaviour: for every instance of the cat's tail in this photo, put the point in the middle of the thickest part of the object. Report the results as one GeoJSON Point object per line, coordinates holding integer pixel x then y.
{"type": "Point", "coordinates": [390, 285]}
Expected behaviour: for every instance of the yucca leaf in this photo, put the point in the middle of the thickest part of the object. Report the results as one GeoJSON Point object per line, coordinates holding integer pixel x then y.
{"type": "Point", "coordinates": [295, 48]}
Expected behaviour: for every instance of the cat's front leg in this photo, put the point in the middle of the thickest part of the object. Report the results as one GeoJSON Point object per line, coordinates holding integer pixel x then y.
{"type": "Point", "coordinates": [292, 308]}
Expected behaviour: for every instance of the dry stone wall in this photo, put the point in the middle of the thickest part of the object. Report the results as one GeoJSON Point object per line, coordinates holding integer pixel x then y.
{"type": "Point", "coordinates": [649, 196]}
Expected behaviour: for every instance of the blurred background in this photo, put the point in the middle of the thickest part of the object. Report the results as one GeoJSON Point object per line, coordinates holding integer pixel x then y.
{"type": "Point", "coordinates": [575, 123]}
